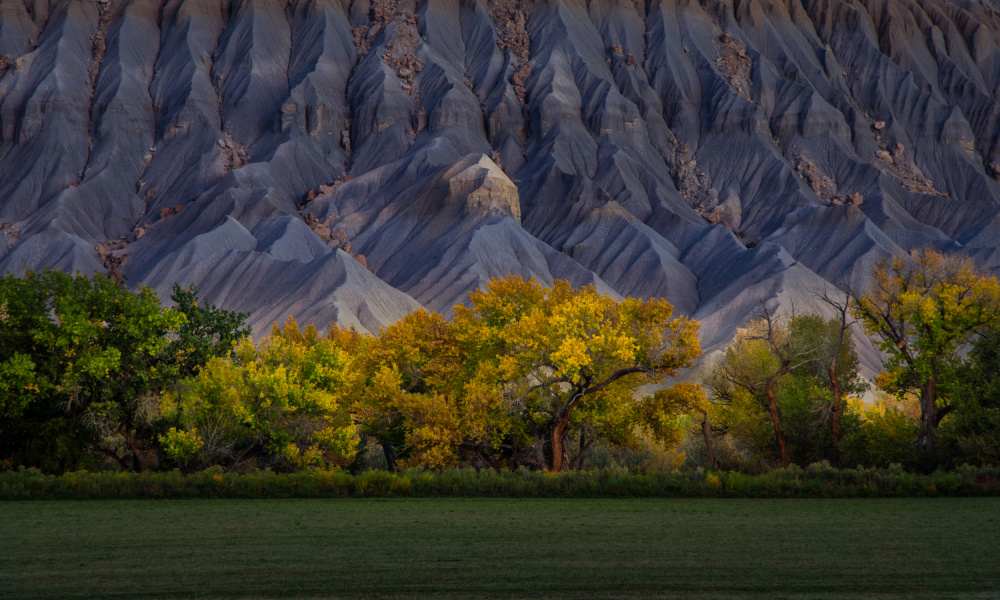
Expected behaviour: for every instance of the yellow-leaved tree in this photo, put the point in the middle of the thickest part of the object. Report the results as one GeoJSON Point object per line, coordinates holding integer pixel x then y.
{"type": "Point", "coordinates": [282, 403]}
{"type": "Point", "coordinates": [411, 401]}
{"type": "Point", "coordinates": [923, 308]}
{"type": "Point", "coordinates": [508, 382]}
{"type": "Point", "coordinates": [561, 363]}
{"type": "Point", "coordinates": [522, 370]}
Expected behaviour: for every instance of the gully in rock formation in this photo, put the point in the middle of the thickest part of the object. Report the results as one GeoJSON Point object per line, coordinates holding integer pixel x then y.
{"type": "Point", "coordinates": [352, 161]}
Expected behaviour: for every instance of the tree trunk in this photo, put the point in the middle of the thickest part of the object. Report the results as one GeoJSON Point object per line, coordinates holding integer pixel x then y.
{"type": "Point", "coordinates": [539, 445]}
{"type": "Point", "coordinates": [145, 458]}
{"type": "Point", "coordinates": [113, 456]}
{"type": "Point", "coordinates": [581, 454]}
{"type": "Point", "coordinates": [928, 414]}
{"type": "Point", "coordinates": [390, 457]}
{"type": "Point", "coordinates": [479, 454]}
{"type": "Point", "coordinates": [772, 407]}
{"type": "Point", "coordinates": [707, 432]}
{"type": "Point", "coordinates": [558, 433]}
{"type": "Point", "coordinates": [835, 411]}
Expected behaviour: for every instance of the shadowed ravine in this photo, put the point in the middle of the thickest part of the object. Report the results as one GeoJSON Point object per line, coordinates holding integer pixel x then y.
{"type": "Point", "coordinates": [352, 161]}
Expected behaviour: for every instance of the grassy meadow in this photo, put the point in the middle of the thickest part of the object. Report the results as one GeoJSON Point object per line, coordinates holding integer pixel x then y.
{"type": "Point", "coordinates": [458, 548]}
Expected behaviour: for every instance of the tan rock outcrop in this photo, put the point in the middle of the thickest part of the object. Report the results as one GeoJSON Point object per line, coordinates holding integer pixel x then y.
{"type": "Point", "coordinates": [478, 183]}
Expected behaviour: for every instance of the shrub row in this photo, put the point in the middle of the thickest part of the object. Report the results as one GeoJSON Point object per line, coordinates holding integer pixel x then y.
{"type": "Point", "coordinates": [815, 481]}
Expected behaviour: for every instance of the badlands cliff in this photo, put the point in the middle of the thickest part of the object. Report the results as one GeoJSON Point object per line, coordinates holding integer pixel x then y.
{"type": "Point", "coordinates": [352, 161]}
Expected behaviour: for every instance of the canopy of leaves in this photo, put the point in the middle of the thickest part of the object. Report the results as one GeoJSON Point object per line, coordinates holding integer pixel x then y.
{"type": "Point", "coordinates": [82, 361]}
{"type": "Point", "coordinates": [525, 367]}
{"type": "Point", "coordinates": [739, 412]}
{"type": "Point", "coordinates": [282, 403]}
{"type": "Point", "coordinates": [971, 433]}
{"type": "Point", "coordinates": [524, 375]}
{"type": "Point", "coordinates": [923, 309]}
{"type": "Point", "coordinates": [207, 332]}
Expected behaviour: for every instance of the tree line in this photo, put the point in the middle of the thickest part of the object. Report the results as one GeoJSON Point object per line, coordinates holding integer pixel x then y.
{"type": "Point", "coordinates": [788, 388]}
{"type": "Point", "coordinates": [93, 375]}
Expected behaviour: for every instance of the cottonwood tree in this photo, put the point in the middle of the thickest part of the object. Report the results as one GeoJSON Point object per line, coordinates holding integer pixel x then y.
{"type": "Point", "coordinates": [971, 433]}
{"type": "Point", "coordinates": [836, 364]}
{"type": "Point", "coordinates": [796, 373]}
{"type": "Point", "coordinates": [208, 331]}
{"type": "Point", "coordinates": [570, 361]}
{"type": "Point", "coordinates": [282, 403]}
{"type": "Point", "coordinates": [412, 401]}
{"type": "Point", "coordinates": [708, 435]}
{"type": "Point", "coordinates": [839, 356]}
{"type": "Point", "coordinates": [923, 309]}
{"type": "Point", "coordinates": [87, 358]}
{"type": "Point", "coordinates": [764, 353]}
{"type": "Point", "coordinates": [83, 361]}
{"type": "Point", "coordinates": [523, 370]}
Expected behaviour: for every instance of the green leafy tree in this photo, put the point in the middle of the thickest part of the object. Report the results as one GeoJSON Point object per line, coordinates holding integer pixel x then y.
{"type": "Point", "coordinates": [825, 384]}
{"type": "Point", "coordinates": [83, 360]}
{"type": "Point", "coordinates": [838, 355]}
{"type": "Point", "coordinates": [971, 433]}
{"type": "Point", "coordinates": [881, 433]}
{"type": "Point", "coordinates": [739, 414]}
{"type": "Point", "coordinates": [208, 332]}
{"type": "Point", "coordinates": [761, 358]}
{"type": "Point", "coordinates": [779, 393]}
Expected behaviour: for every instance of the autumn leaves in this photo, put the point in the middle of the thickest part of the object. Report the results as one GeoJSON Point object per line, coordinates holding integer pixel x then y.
{"type": "Point", "coordinates": [510, 381]}
{"type": "Point", "coordinates": [524, 375]}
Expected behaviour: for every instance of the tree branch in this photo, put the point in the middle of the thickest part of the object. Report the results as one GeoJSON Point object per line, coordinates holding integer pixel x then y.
{"type": "Point", "coordinates": [112, 455]}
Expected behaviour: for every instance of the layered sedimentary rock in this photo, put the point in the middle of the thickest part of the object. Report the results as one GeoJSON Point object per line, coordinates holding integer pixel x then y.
{"type": "Point", "coordinates": [352, 161]}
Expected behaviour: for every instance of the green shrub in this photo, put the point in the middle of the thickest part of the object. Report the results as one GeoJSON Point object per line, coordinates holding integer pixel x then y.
{"type": "Point", "coordinates": [813, 482]}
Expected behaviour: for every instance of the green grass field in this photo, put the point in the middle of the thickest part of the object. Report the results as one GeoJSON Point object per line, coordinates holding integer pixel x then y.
{"type": "Point", "coordinates": [457, 548]}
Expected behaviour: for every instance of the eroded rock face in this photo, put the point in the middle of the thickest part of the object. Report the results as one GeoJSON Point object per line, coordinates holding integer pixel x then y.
{"type": "Point", "coordinates": [482, 187]}
{"type": "Point", "coordinates": [352, 161]}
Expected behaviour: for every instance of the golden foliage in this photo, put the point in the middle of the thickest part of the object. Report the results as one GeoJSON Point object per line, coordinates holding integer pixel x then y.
{"type": "Point", "coordinates": [518, 366]}
{"type": "Point", "coordinates": [287, 395]}
{"type": "Point", "coordinates": [923, 308]}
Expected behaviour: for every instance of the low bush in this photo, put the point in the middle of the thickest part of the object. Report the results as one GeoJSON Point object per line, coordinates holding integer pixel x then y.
{"type": "Point", "coordinates": [815, 481]}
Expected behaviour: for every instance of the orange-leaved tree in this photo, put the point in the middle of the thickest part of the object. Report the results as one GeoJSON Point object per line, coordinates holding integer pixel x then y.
{"type": "Point", "coordinates": [412, 402]}
{"type": "Point", "coordinates": [519, 371]}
